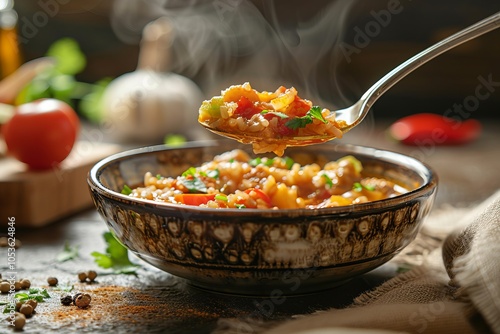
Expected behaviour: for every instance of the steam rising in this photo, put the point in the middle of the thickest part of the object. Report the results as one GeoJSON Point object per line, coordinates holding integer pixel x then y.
{"type": "Point", "coordinates": [223, 42]}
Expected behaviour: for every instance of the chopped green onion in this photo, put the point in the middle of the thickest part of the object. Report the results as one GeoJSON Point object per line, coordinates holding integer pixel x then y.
{"type": "Point", "coordinates": [357, 187]}
{"type": "Point", "coordinates": [240, 206]}
{"type": "Point", "coordinates": [189, 171]}
{"type": "Point", "coordinates": [126, 190]}
{"type": "Point", "coordinates": [158, 176]}
{"type": "Point", "coordinates": [328, 180]}
{"type": "Point", "coordinates": [221, 197]}
{"type": "Point", "coordinates": [289, 162]}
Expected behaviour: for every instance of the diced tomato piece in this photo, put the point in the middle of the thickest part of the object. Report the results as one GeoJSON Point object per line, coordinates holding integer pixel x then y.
{"type": "Point", "coordinates": [284, 130]}
{"type": "Point", "coordinates": [246, 108]}
{"type": "Point", "coordinates": [194, 199]}
{"type": "Point", "coordinates": [259, 194]}
{"type": "Point", "coordinates": [299, 107]}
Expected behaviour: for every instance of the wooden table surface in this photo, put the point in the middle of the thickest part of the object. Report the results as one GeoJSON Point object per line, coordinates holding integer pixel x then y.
{"type": "Point", "coordinates": [157, 302]}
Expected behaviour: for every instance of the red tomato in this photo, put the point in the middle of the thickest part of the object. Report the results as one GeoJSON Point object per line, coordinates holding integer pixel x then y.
{"type": "Point", "coordinates": [426, 128]}
{"type": "Point", "coordinates": [41, 133]}
{"type": "Point", "coordinates": [194, 199]}
{"type": "Point", "coordinates": [246, 108]}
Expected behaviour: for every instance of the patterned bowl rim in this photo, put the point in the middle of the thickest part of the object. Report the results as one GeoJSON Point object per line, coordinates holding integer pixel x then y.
{"type": "Point", "coordinates": [423, 170]}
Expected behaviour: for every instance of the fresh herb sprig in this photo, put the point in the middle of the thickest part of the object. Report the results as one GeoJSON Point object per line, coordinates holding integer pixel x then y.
{"type": "Point", "coordinates": [301, 122]}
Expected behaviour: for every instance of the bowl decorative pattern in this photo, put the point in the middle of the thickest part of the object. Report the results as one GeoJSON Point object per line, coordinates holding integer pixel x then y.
{"type": "Point", "coordinates": [257, 251]}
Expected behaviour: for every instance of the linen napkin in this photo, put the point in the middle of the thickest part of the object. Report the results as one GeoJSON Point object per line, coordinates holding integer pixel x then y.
{"type": "Point", "coordinates": [453, 286]}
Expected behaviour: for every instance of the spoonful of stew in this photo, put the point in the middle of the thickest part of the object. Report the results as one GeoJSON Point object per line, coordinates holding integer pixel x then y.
{"type": "Point", "coordinates": [272, 121]}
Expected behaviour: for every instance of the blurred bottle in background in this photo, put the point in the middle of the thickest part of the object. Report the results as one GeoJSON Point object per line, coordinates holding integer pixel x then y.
{"type": "Point", "coordinates": [10, 56]}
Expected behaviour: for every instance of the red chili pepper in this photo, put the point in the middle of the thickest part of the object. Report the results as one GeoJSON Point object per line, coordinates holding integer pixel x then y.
{"type": "Point", "coordinates": [194, 199]}
{"type": "Point", "coordinates": [426, 128]}
{"type": "Point", "coordinates": [260, 194]}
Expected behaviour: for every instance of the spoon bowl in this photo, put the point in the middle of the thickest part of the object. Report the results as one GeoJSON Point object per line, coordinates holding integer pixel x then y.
{"type": "Point", "coordinates": [350, 117]}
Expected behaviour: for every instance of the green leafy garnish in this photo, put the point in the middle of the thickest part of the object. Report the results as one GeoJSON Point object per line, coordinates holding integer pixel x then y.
{"type": "Point", "coordinates": [126, 190]}
{"type": "Point", "coordinates": [115, 258]}
{"type": "Point", "coordinates": [240, 206]}
{"type": "Point", "coordinates": [221, 197]}
{"type": "Point", "coordinates": [91, 105]}
{"type": "Point", "coordinates": [369, 187]}
{"type": "Point", "coordinates": [174, 140]}
{"type": "Point", "coordinates": [192, 182]}
{"type": "Point", "coordinates": [328, 180]}
{"type": "Point", "coordinates": [158, 176]}
{"type": "Point", "coordinates": [275, 113]}
{"type": "Point", "coordinates": [289, 162]}
{"type": "Point", "coordinates": [68, 253]}
{"type": "Point", "coordinates": [214, 174]}
{"type": "Point", "coordinates": [301, 122]}
{"type": "Point", "coordinates": [189, 171]}
{"type": "Point", "coordinates": [264, 161]}
{"type": "Point", "coordinates": [70, 59]}
{"type": "Point", "coordinates": [359, 187]}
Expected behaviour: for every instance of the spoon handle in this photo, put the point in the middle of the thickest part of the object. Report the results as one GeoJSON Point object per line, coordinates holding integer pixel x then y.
{"type": "Point", "coordinates": [398, 73]}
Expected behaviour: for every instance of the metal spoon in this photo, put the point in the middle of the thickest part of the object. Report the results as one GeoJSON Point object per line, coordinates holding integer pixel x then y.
{"type": "Point", "coordinates": [354, 114]}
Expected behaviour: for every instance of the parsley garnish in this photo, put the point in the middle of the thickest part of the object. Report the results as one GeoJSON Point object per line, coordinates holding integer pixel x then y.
{"type": "Point", "coordinates": [126, 190]}
{"type": "Point", "coordinates": [301, 122]}
{"type": "Point", "coordinates": [115, 258]}
{"type": "Point", "coordinates": [68, 253]}
{"type": "Point", "coordinates": [192, 182]}
{"type": "Point", "coordinates": [194, 185]}
{"type": "Point", "coordinates": [189, 171]}
{"type": "Point", "coordinates": [214, 174]}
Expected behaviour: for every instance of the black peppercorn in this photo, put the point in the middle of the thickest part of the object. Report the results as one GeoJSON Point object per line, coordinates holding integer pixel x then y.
{"type": "Point", "coordinates": [66, 300]}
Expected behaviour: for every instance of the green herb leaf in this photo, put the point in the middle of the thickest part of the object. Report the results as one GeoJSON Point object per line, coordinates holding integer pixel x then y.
{"type": "Point", "coordinates": [221, 197]}
{"type": "Point", "coordinates": [189, 171]}
{"type": "Point", "coordinates": [275, 113]}
{"type": "Point", "coordinates": [369, 187]}
{"type": "Point", "coordinates": [91, 103]}
{"type": "Point", "coordinates": [240, 206]}
{"type": "Point", "coordinates": [328, 181]}
{"type": "Point", "coordinates": [68, 253]}
{"type": "Point", "coordinates": [115, 258]}
{"type": "Point", "coordinates": [70, 59]}
{"type": "Point", "coordinates": [158, 176]}
{"type": "Point", "coordinates": [126, 190]}
{"type": "Point", "coordinates": [255, 162]}
{"type": "Point", "coordinates": [357, 187]}
{"type": "Point", "coordinates": [289, 162]}
{"type": "Point", "coordinates": [194, 185]}
{"type": "Point", "coordinates": [174, 140]}
{"type": "Point", "coordinates": [299, 122]}
{"type": "Point", "coordinates": [315, 112]}
{"type": "Point", "coordinates": [214, 174]}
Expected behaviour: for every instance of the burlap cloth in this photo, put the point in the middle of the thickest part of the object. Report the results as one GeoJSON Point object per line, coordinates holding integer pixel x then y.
{"type": "Point", "coordinates": [453, 286]}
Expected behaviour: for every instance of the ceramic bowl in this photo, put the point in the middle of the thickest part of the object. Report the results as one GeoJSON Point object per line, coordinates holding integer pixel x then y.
{"type": "Point", "coordinates": [258, 251]}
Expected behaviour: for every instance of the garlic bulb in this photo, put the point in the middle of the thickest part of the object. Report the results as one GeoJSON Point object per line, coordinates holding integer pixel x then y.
{"type": "Point", "coordinates": [148, 104]}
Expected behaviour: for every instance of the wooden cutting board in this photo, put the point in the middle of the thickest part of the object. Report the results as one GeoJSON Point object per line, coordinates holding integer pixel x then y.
{"type": "Point", "coordinates": [37, 198]}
